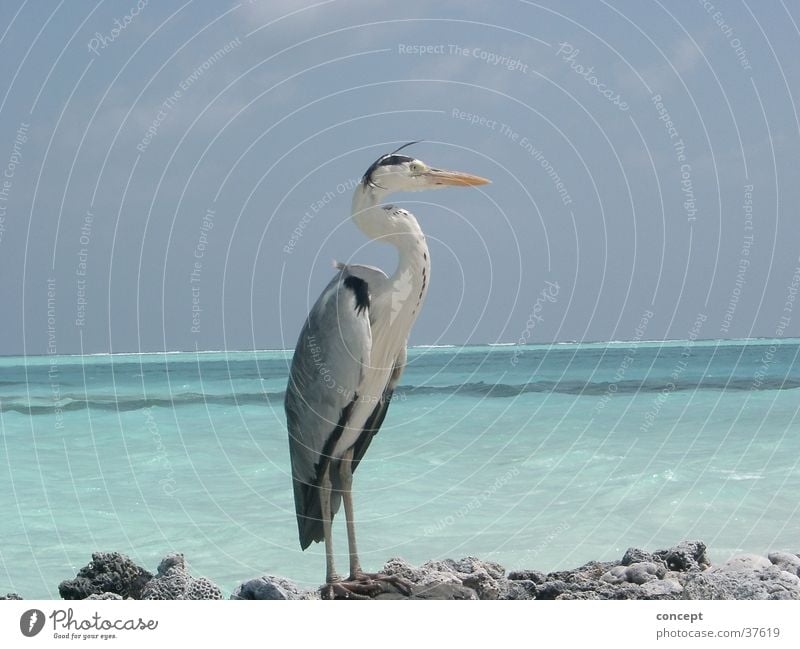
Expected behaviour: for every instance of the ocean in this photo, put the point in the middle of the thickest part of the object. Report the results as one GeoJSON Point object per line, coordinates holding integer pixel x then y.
{"type": "Point", "coordinates": [538, 456]}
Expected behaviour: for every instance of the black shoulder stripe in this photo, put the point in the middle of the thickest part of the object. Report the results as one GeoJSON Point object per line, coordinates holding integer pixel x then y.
{"type": "Point", "coordinates": [371, 427]}
{"type": "Point", "coordinates": [360, 289]}
{"type": "Point", "coordinates": [333, 438]}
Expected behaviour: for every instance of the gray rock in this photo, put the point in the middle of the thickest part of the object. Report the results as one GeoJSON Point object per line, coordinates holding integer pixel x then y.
{"type": "Point", "coordinates": [108, 572]}
{"type": "Point", "coordinates": [616, 582]}
{"type": "Point", "coordinates": [433, 591]}
{"type": "Point", "coordinates": [424, 575]}
{"type": "Point", "coordinates": [743, 563]}
{"type": "Point", "coordinates": [440, 591]}
{"type": "Point", "coordinates": [685, 557]}
{"type": "Point", "coordinates": [635, 555]}
{"type": "Point", "coordinates": [595, 591]}
{"type": "Point", "coordinates": [527, 575]}
{"type": "Point", "coordinates": [581, 583]}
{"type": "Point", "coordinates": [10, 596]}
{"type": "Point", "coordinates": [521, 589]}
{"type": "Point", "coordinates": [173, 581]}
{"type": "Point", "coordinates": [433, 580]}
{"type": "Point", "coordinates": [662, 589]}
{"type": "Point", "coordinates": [643, 572]}
{"type": "Point", "coordinates": [485, 578]}
{"type": "Point", "coordinates": [639, 575]}
{"type": "Point", "coordinates": [786, 561]}
{"type": "Point", "coordinates": [614, 576]}
{"type": "Point", "coordinates": [765, 583]}
{"type": "Point", "coordinates": [269, 587]}
{"type": "Point", "coordinates": [680, 572]}
{"type": "Point", "coordinates": [553, 589]}
{"type": "Point", "coordinates": [636, 573]}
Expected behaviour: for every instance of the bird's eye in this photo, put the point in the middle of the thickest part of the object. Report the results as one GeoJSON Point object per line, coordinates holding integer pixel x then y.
{"type": "Point", "coordinates": [415, 168]}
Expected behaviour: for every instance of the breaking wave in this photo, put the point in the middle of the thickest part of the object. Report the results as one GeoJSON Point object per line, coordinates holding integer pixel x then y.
{"type": "Point", "coordinates": [478, 389]}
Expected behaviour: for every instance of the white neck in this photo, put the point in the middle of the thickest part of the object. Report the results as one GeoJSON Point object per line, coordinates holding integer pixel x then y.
{"type": "Point", "coordinates": [397, 226]}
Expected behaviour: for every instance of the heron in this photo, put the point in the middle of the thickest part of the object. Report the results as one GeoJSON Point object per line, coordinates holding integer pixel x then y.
{"type": "Point", "coordinates": [349, 357]}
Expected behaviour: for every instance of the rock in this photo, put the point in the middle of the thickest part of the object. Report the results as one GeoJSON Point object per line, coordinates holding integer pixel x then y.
{"type": "Point", "coordinates": [423, 575]}
{"type": "Point", "coordinates": [639, 575]}
{"type": "Point", "coordinates": [764, 583]}
{"type": "Point", "coordinates": [662, 589]}
{"type": "Point", "coordinates": [685, 557]}
{"type": "Point", "coordinates": [580, 583]}
{"type": "Point", "coordinates": [173, 581]}
{"type": "Point", "coordinates": [786, 561]}
{"type": "Point", "coordinates": [614, 576]}
{"type": "Point", "coordinates": [108, 572]}
{"type": "Point", "coordinates": [527, 575]}
{"type": "Point", "coordinates": [554, 589]}
{"type": "Point", "coordinates": [269, 587]}
{"type": "Point", "coordinates": [433, 591]}
{"type": "Point", "coordinates": [587, 592]}
{"type": "Point", "coordinates": [643, 572]}
{"type": "Point", "coordinates": [10, 596]}
{"type": "Point", "coordinates": [679, 572]}
{"type": "Point", "coordinates": [636, 573]}
{"type": "Point", "coordinates": [743, 563]}
{"type": "Point", "coordinates": [521, 589]}
{"type": "Point", "coordinates": [467, 578]}
{"type": "Point", "coordinates": [438, 591]}
{"type": "Point", "coordinates": [635, 555]}
{"type": "Point", "coordinates": [485, 578]}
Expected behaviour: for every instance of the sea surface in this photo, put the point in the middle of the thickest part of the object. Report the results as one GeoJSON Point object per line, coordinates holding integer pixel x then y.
{"type": "Point", "coordinates": [539, 457]}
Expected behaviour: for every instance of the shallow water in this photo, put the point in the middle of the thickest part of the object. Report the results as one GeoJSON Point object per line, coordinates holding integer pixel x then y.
{"type": "Point", "coordinates": [540, 457]}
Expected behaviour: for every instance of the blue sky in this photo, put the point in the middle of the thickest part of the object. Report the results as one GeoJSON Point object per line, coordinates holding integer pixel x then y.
{"type": "Point", "coordinates": [178, 175]}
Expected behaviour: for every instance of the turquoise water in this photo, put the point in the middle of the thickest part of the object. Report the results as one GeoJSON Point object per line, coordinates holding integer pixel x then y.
{"type": "Point", "coordinates": [540, 457]}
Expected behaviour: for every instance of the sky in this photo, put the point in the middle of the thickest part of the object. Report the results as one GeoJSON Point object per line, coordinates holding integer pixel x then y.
{"type": "Point", "coordinates": [178, 175]}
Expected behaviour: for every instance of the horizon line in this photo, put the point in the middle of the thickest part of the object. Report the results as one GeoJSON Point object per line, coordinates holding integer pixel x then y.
{"type": "Point", "coordinates": [423, 346]}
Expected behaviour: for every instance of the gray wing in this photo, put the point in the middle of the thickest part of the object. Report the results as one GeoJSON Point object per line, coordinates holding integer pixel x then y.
{"type": "Point", "coordinates": [327, 368]}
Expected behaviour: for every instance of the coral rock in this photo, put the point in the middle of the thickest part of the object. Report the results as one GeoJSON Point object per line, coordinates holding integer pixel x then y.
{"type": "Point", "coordinates": [10, 596]}
{"type": "Point", "coordinates": [686, 556]}
{"type": "Point", "coordinates": [173, 581]}
{"type": "Point", "coordinates": [108, 572]}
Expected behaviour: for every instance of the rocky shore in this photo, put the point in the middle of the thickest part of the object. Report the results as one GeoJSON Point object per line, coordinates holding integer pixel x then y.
{"type": "Point", "coordinates": [680, 572]}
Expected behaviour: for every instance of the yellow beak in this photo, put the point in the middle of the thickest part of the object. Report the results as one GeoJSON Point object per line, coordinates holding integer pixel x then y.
{"type": "Point", "coordinates": [457, 178]}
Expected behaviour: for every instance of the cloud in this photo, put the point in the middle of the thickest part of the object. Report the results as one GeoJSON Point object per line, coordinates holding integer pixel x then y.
{"type": "Point", "coordinates": [685, 55]}
{"type": "Point", "coordinates": [260, 13]}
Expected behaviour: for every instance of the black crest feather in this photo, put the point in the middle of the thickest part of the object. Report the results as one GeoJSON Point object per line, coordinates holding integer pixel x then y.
{"type": "Point", "coordinates": [387, 159]}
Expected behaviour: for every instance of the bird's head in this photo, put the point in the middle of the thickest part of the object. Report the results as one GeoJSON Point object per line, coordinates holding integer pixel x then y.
{"type": "Point", "coordinates": [395, 172]}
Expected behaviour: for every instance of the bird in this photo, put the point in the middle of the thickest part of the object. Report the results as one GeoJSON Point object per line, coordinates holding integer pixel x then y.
{"type": "Point", "coordinates": [348, 359]}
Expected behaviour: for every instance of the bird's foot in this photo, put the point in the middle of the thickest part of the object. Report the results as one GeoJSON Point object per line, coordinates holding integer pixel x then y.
{"type": "Point", "coordinates": [365, 585]}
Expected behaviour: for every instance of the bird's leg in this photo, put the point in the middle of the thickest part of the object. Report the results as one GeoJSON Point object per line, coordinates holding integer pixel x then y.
{"type": "Point", "coordinates": [347, 496]}
{"type": "Point", "coordinates": [360, 585]}
{"type": "Point", "coordinates": [325, 502]}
